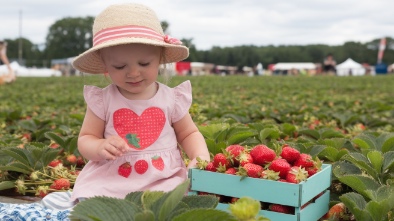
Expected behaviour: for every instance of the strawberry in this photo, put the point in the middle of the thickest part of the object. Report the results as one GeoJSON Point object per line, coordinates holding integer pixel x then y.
{"type": "Point", "coordinates": [42, 191]}
{"type": "Point", "coordinates": [80, 161]}
{"type": "Point", "coordinates": [262, 154]}
{"type": "Point", "coordinates": [221, 159]}
{"type": "Point", "coordinates": [305, 160]}
{"type": "Point", "coordinates": [210, 167]}
{"type": "Point", "coordinates": [54, 163]}
{"type": "Point", "coordinates": [60, 184]}
{"type": "Point", "coordinates": [289, 153]}
{"type": "Point", "coordinates": [336, 212]}
{"type": "Point", "coordinates": [54, 145]}
{"type": "Point", "coordinates": [234, 151]}
{"type": "Point", "coordinates": [250, 170]}
{"type": "Point", "coordinates": [141, 166]}
{"type": "Point", "coordinates": [244, 158]}
{"type": "Point", "coordinates": [280, 165]}
{"type": "Point", "coordinates": [296, 175]}
{"type": "Point", "coordinates": [231, 171]}
{"type": "Point", "coordinates": [315, 168]}
{"type": "Point", "coordinates": [71, 160]}
{"type": "Point", "coordinates": [125, 169]}
{"type": "Point", "coordinates": [281, 208]}
{"type": "Point", "coordinates": [158, 163]}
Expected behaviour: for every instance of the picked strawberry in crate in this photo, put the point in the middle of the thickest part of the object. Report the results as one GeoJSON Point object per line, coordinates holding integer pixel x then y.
{"type": "Point", "coordinates": [277, 177]}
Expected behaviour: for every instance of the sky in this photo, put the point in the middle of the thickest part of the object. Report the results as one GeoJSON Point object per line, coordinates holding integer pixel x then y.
{"type": "Point", "coordinates": [223, 23]}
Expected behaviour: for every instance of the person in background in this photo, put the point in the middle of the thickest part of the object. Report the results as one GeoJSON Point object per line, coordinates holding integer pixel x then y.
{"type": "Point", "coordinates": [10, 77]}
{"type": "Point", "coordinates": [329, 65]}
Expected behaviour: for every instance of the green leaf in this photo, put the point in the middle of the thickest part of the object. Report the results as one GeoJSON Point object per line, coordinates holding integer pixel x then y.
{"type": "Point", "coordinates": [211, 130]}
{"type": "Point", "coordinates": [4, 185]}
{"type": "Point", "coordinates": [133, 140]}
{"type": "Point", "coordinates": [378, 210]}
{"type": "Point", "coordinates": [135, 197]}
{"type": "Point", "coordinates": [56, 138]}
{"type": "Point", "coordinates": [288, 129]}
{"type": "Point", "coordinates": [105, 208]}
{"type": "Point", "coordinates": [16, 168]}
{"type": "Point", "coordinates": [203, 201]}
{"type": "Point", "coordinates": [363, 163]}
{"type": "Point", "coordinates": [239, 137]}
{"type": "Point", "coordinates": [145, 215]}
{"type": "Point", "coordinates": [205, 215]}
{"type": "Point", "coordinates": [28, 125]}
{"type": "Point", "coordinates": [330, 134]}
{"type": "Point", "coordinates": [356, 204]}
{"type": "Point", "coordinates": [269, 133]}
{"type": "Point", "coordinates": [148, 198]}
{"type": "Point", "coordinates": [388, 144]}
{"type": "Point", "coordinates": [359, 183]}
{"type": "Point", "coordinates": [388, 161]}
{"type": "Point", "coordinates": [376, 159]}
{"type": "Point", "coordinates": [310, 133]}
{"type": "Point", "coordinates": [17, 153]}
{"type": "Point", "coordinates": [71, 144]}
{"type": "Point", "coordinates": [164, 206]}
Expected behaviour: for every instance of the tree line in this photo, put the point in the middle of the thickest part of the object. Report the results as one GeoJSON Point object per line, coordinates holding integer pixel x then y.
{"type": "Point", "coordinates": [71, 36]}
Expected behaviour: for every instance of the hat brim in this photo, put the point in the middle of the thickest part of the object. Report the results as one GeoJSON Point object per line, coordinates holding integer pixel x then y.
{"type": "Point", "coordinates": [91, 62]}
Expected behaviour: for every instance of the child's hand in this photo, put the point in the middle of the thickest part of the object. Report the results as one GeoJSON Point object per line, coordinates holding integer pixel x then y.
{"type": "Point", "coordinates": [112, 147]}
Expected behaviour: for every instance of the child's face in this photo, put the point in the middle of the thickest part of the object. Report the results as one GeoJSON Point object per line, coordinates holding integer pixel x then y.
{"type": "Point", "coordinates": [133, 68]}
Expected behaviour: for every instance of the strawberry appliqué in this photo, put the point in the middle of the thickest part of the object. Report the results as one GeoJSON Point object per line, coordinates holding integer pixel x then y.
{"type": "Point", "coordinates": [158, 163]}
{"type": "Point", "coordinates": [139, 131]}
{"type": "Point", "coordinates": [141, 166]}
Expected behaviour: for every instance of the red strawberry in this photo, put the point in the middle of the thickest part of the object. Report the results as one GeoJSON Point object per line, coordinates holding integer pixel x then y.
{"type": "Point", "coordinates": [262, 154]}
{"type": "Point", "coordinates": [141, 166]}
{"type": "Point", "coordinates": [231, 170]}
{"type": "Point", "coordinates": [234, 151]}
{"type": "Point", "coordinates": [305, 160]}
{"type": "Point", "coordinates": [54, 163]}
{"type": "Point", "coordinates": [245, 158]}
{"type": "Point", "coordinates": [281, 208]}
{"type": "Point", "coordinates": [60, 184]}
{"type": "Point", "coordinates": [221, 159]}
{"type": "Point", "coordinates": [80, 161]}
{"type": "Point", "coordinates": [290, 154]}
{"type": "Point", "coordinates": [210, 167]}
{"type": "Point", "coordinates": [280, 165]}
{"type": "Point", "coordinates": [125, 169]}
{"type": "Point", "coordinates": [251, 170]}
{"type": "Point", "coordinates": [296, 175]}
{"type": "Point", "coordinates": [158, 163]}
{"type": "Point", "coordinates": [54, 145]}
{"type": "Point", "coordinates": [42, 191]}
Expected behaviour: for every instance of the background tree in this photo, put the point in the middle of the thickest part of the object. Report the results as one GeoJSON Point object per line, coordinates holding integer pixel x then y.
{"type": "Point", "coordinates": [69, 37]}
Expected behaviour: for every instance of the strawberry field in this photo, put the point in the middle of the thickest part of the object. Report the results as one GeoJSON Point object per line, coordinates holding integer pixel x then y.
{"type": "Point", "coordinates": [346, 122]}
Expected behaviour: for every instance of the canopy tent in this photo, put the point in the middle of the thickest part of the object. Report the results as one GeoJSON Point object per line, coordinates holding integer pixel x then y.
{"type": "Point", "coordinates": [22, 71]}
{"type": "Point", "coordinates": [296, 65]}
{"type": "Point", "coordinates": [350, 68]}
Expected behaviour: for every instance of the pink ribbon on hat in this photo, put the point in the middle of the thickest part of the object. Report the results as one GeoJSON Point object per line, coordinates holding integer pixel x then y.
{"type": "Point", "coordinates": [108, 34]}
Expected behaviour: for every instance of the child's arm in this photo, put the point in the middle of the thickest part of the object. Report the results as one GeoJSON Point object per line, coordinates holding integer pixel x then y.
{"type": "Point", "coordinates": [91, 143]}
{"type": "Point", "coordinates": [191, 140]}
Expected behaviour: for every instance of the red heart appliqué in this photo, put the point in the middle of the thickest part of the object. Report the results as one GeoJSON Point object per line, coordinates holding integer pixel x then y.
{"type": "Point", "coordinates": [146, 127]}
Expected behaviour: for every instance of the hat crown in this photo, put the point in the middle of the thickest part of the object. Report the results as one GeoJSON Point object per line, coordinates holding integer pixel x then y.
{"type": "Point", "coordinates": [131, 14]}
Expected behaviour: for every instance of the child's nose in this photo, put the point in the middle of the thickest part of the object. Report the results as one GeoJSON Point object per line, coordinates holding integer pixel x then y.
{"type": "Point", "coordinates": [132, 72]}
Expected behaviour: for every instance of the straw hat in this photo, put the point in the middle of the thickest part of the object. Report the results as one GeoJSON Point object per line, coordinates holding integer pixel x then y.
{"type": "Point", "coordinates": [125, 24]}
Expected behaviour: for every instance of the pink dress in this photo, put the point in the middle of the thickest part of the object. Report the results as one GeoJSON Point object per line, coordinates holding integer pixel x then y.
{"type": "Point", "coordinates": [156, 162]}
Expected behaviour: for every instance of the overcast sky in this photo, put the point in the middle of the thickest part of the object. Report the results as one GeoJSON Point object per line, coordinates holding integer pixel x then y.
{"type": "Point", "coordinates": [223, 22]}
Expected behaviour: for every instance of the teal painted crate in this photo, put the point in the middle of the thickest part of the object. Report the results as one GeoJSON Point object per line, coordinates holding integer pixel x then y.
{"type": "Point", "coordinates": [269, 191]}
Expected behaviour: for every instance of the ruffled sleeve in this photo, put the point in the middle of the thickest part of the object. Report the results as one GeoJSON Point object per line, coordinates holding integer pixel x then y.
{"type": "Point", "coordinates": [183, 101]}
{"type": "Point", "coordinates": [94, 98]}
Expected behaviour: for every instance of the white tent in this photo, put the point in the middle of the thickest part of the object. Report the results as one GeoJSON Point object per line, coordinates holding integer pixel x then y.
{"type": "Point", "coordinates": [21, 71]}
{"type": "Point", "coordinates": [350, 68]}
{"type": "Point", "coordinates": [296, 65]}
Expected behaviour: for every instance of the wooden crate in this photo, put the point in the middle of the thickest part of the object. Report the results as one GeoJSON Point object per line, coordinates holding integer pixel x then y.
{"type": "Point", "coordinates": [269, 191]}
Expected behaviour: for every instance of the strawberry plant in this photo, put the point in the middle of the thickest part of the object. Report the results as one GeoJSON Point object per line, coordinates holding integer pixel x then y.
{"type": "Point", "coordinates": [157, 205]}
